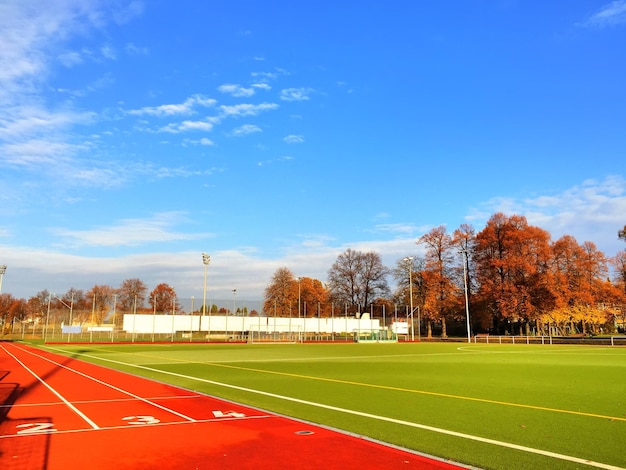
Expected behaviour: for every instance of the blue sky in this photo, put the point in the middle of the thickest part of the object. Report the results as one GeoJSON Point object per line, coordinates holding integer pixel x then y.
{"type": "Point", "coordinates": [136, 135]}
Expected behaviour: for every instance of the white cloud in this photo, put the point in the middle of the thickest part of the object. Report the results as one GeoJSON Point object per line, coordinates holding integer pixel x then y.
{"type": "Point", "coordinates": [29, 120]}
{"type": "Point", "coordinates": [591, 211]}
{"type": "Point", "coordinates": [185, 126]}
{"type": "Point", "coordinates": [293, 139]}
{"type": "Point", "coordinates": [37, 153]}
{"type": "Point", "coordinates": [186, 107]}
{"type": "Point", "coordinates": [129, 232]}
{"type": "Point", "coordinates": [296, 94]}
{"type": "Point", "coordinates": [236, 90]}
{"type": "Point", "coordinates": [245, 130]}
{"type": "Point", "coordinates": [261, 86]}
{"type": "Point", "coordinates": [610, 14]}
{"type": "Point", "coordinates": [246, 109]}
{"type": "Point", "coordinates": [204, 142]}
{"type": "Point", "coordinates": [70, 59]}
{"type": "Point", "coordinates": [284, 158]}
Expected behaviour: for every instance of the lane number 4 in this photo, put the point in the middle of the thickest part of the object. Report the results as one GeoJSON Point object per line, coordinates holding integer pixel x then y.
{"type": "Point", "coordinates": [228, 414]}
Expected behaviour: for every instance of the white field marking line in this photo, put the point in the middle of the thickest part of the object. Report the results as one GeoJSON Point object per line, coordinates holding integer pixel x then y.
{"type": "Point", "coordinates": [444, 395]}
{"type": "Point", "coordinates": [135, 426]}
{"type": "Point", "coordinates": [66, 402]}
{"type": "Point", "coordinates": [470, 437]}
{"type": "Point", "coordinates": [137, 397]}
{"type": "Point", "coordinates": [550, 350]}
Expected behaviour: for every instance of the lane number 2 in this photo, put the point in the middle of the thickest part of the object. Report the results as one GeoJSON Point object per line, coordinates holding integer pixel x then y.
{"type": "Point", "coordinates": [32, 428]}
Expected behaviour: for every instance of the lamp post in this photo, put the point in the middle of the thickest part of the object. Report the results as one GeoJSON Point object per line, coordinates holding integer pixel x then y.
{"type": "Point", "coordinates": [3, 269]}
{"type": "Point", "coordinates": [467, 313]}
{"type": "Point", "coordinates": [409, 260]}
{"type": "Point", "coordinates": [206, 259]}
{"type": "Point", "coordinates": [299, 297]}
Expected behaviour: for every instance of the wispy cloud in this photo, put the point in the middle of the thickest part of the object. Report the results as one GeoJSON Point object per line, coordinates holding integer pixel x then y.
{"type": "Point", "coordinates": [129, 232]}
{"type": "Point", "coordinates": [35, 153]}
{"type": "Point", "coordinates": [186, 107]}
{"type": "Point", "coordinates": [35, 135]}
{"type": "Point", "coordinates": [293, 139]}
{"type": "Point", "coordinates": [204, 141]}
{"type": "Point", "coordinates": [296, 94]}
{"type": "Point", "coordinates": [610, 14]}
{"type": "Point", "coordinates": [399, 228]}
{"type": "Point", "coordinates": [245, 130]}
{"type": "Point", "coordinates": [236, 90]}
{"type": "Point", "coordinates": [185, 126]}
{"type": "Point", "coordinates": [239, 110]}
{"type": "Point", "coordinates": [285, 158]}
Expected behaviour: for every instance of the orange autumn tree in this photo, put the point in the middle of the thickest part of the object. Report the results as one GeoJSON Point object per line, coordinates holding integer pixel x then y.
{"type": "Point", "coordinates": [163, 299]}
{"type": "Point", "coordinates": [440, 299]}
{"type": "Point", "coordinates": [313, 298]}
{"type": "Point", "coordinates": [281, 294]}
{"type": "Point", "coordinates": [580, 284]}
{"type": "Point", "coordinates": [512, 269]}
{"type": "Point", "coordinates": [287, 296]}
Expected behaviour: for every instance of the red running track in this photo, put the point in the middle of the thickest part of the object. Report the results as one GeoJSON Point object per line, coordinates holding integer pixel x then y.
{"type": "Point", "coordinates": [59, 413]}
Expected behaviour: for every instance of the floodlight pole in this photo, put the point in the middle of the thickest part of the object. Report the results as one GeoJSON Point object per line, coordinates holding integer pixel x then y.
{"type": "Point", "coordinates": [467, 313]}
{"type": "Point", "coordinates": [3, 269]}
{"type": "Point", "coordinates": [206, 259]}
{"type": "Point", "coordinates": [409, 260]}
{"type": "Point", "coordinates": [299, 297]}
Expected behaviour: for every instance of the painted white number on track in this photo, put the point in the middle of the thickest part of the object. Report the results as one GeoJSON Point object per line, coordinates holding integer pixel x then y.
{"type": "Point", "coordinates": [30, 428]}
{"type": "Point", "coordinates": [141, 420]}
{"type": "Point", "coordinates": [228, 414]}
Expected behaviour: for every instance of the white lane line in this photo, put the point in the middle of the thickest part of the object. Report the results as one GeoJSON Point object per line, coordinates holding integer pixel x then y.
{"type": "Point", "coordinates": [470, 437]}
{"type": "Point", "coordinates": [61, 397]}
{"type": "Point", "coordinates": [108, 400]}
{"type": "Point", "coordinates": [126, 392]}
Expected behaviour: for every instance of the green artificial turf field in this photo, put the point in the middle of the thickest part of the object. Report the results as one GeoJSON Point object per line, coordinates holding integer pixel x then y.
{"type": "Point", "coordinates": [490, 406]}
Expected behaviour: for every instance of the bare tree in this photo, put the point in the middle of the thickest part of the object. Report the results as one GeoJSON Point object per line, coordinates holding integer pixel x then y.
{"type": "Point", "coordinates": [356, 278]}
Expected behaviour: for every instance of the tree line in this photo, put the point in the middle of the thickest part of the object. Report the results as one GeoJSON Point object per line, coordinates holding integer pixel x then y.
{"type": "Point", "coordinates": [511, 277]}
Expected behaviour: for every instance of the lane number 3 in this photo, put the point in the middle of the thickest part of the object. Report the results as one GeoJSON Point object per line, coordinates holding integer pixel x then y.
{"type": "Point", "coordinates": [141, 419]}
